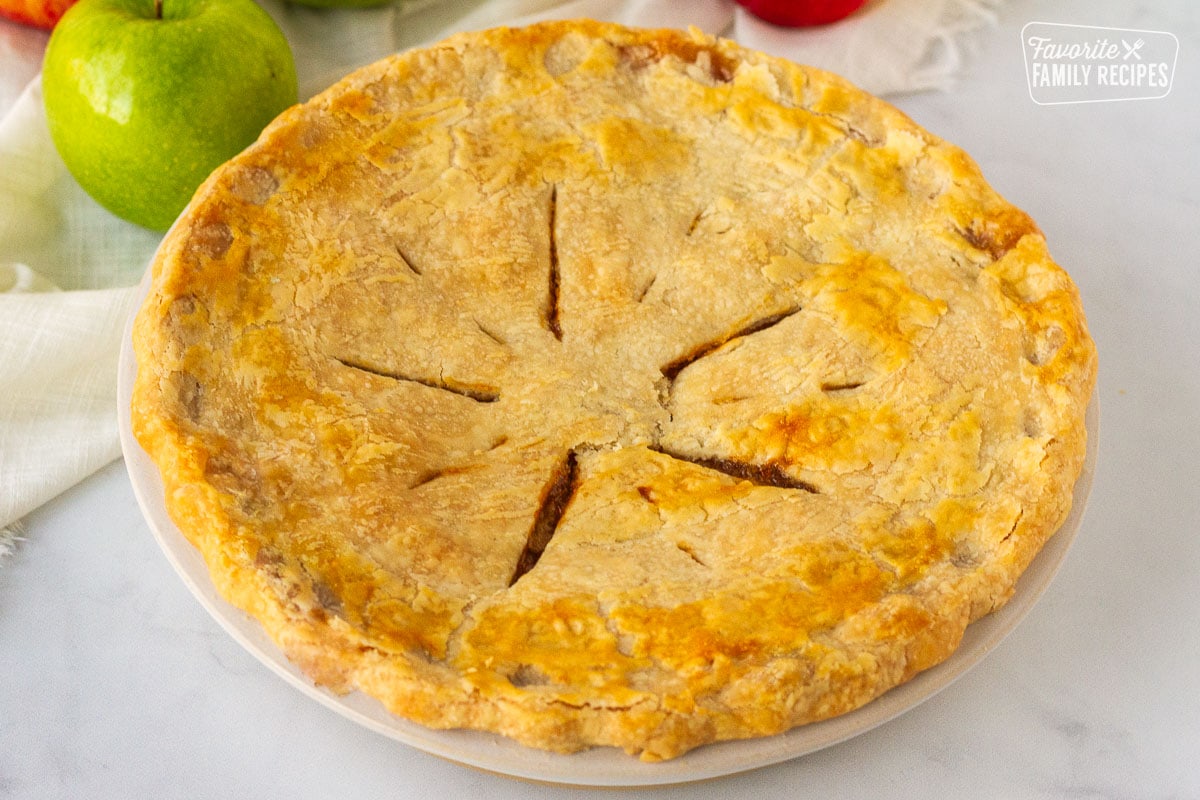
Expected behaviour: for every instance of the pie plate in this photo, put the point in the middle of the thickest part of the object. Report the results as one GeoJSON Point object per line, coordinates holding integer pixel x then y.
{"type": "Point", "coordinates": [600, 766]}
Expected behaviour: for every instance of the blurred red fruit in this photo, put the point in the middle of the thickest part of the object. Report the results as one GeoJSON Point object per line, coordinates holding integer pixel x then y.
{"type": "Point", "coordinates": [800, 13]}
{"type": "Point", "coordinates": [38, 13]}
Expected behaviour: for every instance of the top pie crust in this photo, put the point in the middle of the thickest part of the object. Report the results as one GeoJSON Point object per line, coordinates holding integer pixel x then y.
{"type": "Point", "coordinates": [599, 386]}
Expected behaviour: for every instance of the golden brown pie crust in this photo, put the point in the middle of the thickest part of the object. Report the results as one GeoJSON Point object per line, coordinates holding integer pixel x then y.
{"type": "Point", "coordinates": [598, 386]}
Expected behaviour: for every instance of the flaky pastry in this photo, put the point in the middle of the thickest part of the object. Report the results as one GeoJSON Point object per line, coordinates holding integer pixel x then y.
{"type": "Point", "coordinates": [601, 386]}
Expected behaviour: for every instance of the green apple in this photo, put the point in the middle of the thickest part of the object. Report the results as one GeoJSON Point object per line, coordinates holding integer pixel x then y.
{"type": "Point", "coordinates": [144, 99]}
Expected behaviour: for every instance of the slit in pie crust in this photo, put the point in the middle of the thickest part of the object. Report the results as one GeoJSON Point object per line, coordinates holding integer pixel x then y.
{"type": "Point", "coordinates": [602, 386]}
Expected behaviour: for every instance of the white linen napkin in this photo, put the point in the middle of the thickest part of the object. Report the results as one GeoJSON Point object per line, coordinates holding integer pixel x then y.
{"type": "Point", "coordinates": [887, 47]}
{"type": "Point", "coordinates": [67, 267]}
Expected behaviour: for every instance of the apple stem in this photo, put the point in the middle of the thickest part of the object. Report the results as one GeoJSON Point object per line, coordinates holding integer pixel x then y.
{"type": "Point", "coordinates": [158, 9]}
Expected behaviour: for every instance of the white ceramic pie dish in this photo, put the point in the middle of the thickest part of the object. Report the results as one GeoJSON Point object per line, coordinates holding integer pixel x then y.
{"type": "Point", "coordinates": [601, 766]}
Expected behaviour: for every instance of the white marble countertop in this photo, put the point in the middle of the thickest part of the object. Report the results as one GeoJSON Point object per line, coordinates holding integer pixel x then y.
{"type": "Point", "coordinates": [115, 683]}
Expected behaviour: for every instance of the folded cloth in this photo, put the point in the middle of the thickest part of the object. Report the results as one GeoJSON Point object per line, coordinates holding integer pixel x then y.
{"type": "Point", "coordinates": [59, 416]}
{"type": "Point", "coordinates": [67, 267]}
{"type": "Point", "coordinates": [886, 47]}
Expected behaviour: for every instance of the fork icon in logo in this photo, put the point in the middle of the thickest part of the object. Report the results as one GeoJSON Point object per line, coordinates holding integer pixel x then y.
{"type": "Point", "coordinates": [1132, 49]}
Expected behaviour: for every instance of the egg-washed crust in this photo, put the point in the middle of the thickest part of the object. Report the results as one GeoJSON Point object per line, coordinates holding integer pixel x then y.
{"type": "Point", "coordinates": [600, 386]}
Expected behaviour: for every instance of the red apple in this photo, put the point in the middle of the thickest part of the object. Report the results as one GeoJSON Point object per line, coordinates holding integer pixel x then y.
{"type": "Point", "coordinates": [38, 13]}
{"type": "Point", "coordinates": [801, 13]}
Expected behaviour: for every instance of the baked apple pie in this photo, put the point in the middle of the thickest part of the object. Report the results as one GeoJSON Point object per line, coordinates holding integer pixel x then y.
{"type": "Point", "coordinates": [601, 386]}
